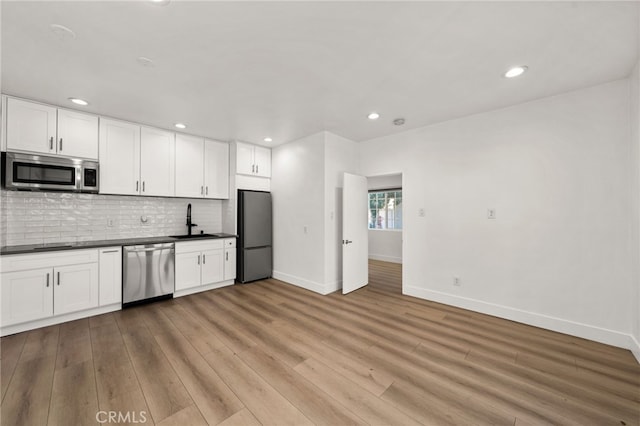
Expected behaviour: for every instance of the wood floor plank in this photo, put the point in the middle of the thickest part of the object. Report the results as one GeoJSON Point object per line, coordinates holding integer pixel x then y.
{"type": "Point", "coordinates": [187, 416]}
{"type": "Point", "coordinates": [74, 400]}
{"type": "Point", "coordinates": [29, 393]}
{"type": "Point", "coordinates": [164, 392]}
{"type": "Point", "coordinates": [10, 350]}
{"type": "Point", "coordinates": [241, 418]}
{"type": "Point", "coordinates": [264, 402]}
{"type": "Point", "coordinates": [130, 403]}
{"type": "Point", "coordinates": [74, 345]}
{"type": "Point", "coordinates": [362, 402]}
{"type": "Point", "coordinates": [316, 405]}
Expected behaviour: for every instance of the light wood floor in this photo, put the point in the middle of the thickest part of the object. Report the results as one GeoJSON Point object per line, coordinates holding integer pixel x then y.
{"type": "Point", "coordinates": [273, 354]}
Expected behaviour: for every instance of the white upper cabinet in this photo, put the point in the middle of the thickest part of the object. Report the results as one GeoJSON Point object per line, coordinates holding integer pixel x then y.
{"type": "Point", "coordinates": [119, 157]}
{"type": "Point", "coordinates": [202, 168]}
{"type": "Point", "coordinates": [253, 160]}
{"type": "Point", "coordinates": [189, 166]}
{"type": "Point", "coordinates": [216, 169]}
{"type": "Point", "coordinates": [157, 162]}
{"type": "Point", "coordinates": [77, 134]}
{"type": "Point", "coordinates": [43, 129]}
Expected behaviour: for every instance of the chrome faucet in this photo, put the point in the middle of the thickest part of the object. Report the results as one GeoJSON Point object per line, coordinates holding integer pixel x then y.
{"type": "Point", "coordinates": [189, 224]}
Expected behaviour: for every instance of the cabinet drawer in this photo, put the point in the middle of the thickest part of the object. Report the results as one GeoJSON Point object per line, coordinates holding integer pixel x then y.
{"type": "Point", "coordinates": [21, 262]}
{"type": "Point", "coordinates": [191, 246]}
{"type": "Point", "coordinates": [229, 242]}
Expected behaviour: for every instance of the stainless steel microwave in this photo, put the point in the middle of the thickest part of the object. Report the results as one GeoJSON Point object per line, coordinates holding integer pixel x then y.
{"type": "Point", "coordinates": [31, 172]}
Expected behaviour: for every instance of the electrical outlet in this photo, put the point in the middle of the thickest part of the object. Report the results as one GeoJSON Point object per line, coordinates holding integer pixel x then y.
{"type": "Point", "coordinates": [110, 223]}
{"type": "Point", "coordinates": [144, 220]}
{"type": "Point", "coordinates": [305, 229]}
{"type": "Point", "coordinates": [456, 281]}
{"type": "Point", "coordinates": [421, 212]}
{"type": "Point", "coordinates": [491, 213]}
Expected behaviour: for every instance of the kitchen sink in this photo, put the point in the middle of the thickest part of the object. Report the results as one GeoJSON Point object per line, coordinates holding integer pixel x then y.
{"type": "Point", "coordinates": [188, 237]}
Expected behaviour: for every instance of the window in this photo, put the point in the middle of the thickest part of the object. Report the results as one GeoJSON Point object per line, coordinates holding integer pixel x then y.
{"type": "Point", "coordinates": [385, 209]}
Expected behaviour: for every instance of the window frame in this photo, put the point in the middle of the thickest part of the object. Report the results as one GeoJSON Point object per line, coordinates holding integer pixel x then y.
{"type": "Point", "coordinates": [384, 191]}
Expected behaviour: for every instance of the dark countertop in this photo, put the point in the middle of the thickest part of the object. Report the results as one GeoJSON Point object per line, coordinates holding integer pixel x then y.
{"type": "Point", "coordinates": [40, 248]}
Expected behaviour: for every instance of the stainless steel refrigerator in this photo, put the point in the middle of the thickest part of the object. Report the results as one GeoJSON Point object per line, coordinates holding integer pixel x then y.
{"type": "Point", "coordinates": [255, 259]}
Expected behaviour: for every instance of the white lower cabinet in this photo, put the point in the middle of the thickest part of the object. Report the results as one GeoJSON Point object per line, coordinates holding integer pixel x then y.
{"type": "Point", "coordinates": [229, 258]}
{"type": "Point", "coordinates": [110, 276]}
{"type": "Point", "coordinates": [76, 288]}
{"type": "Point", "coordinates": [46, 288]}
{"type": "Point", "coordinates": [202, 264]}
{"type": "Point", "coordinates": [26, 295]}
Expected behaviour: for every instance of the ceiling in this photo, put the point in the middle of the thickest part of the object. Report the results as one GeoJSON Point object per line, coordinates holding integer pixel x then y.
{"type": "Point", "coordinates": [248, 70]}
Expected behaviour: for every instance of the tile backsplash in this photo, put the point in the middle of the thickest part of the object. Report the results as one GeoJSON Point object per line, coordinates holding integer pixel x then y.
{"type": "Point", "coordinates": [52, 217]}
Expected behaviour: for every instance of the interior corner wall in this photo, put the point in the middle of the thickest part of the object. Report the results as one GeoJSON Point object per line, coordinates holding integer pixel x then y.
{"type": "Point", "coordinates": [635, 193]}
{"type": "Point", "coordinates": [341, 155]}
{"type": "Point", "coordinates": [297, 188]}
{"type": "Point", "coordinates": [557, 172]}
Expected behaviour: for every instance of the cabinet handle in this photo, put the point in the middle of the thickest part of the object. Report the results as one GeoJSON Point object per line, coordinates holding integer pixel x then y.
{"type": "Point", "coordinates": [257, 170]}
{"type": "Point", "coordinates": [111, 251]}
{"type": "Point", "coordinates": [227, 256]}
{"type": "Point", "coordinates": [143, 186]}
{"type": "Point", "coordinates": [137, 186]}
{"type": "Point", "coordinates": [253, 168]}
{"type": "Point", "coordinates": [202, 190]}
{"type": "Point", "coordinates": [51, 143]}
{"type": "Point", "coordinates": [47, 279]}
{"type": "Point", "coordinates": [58, 278]}
{"type": "Point", "coordinates": [198, 259]}
{"type": "Point", "coordinates": [204, 259]}
{"type": "Point", "coordinates": [206, 191]}
{"type": "Point", "coordinates": [60, 144]}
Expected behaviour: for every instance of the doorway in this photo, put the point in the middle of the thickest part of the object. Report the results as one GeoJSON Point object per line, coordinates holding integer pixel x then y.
{"type": "Point", "coordinates": [385, 223]}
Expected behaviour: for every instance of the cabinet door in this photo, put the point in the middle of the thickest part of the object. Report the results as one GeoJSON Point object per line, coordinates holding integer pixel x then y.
{"type": "Point", "coordinates": [262, 160]}
{"type": "Point", "coordinates": [110, 277]}
{"type": "Point", "coordinates": [216, 169]}
{"type": "Point", "coordinates": [31, 127]}
{"type": "Point", "coordinates": [212, 266]}
{"type": "Point", "coordinates": [76, 288]}
{"type": "Point", "coordinates": [188, 270]}
{"type": "Point", "coordinates": [229, 264]}
{"type": "Point", "coordinates": [77, 134]}
{"type": "Point", "coordinates": [26, 296]}
{"type": "Point", "coordinates": [157, 162]}
{"type": "Point", "coordinates": [244, 159]}
{"type": "Point", "coordinates": [189, 166]}
{"type": "Point", "coordinates": [119, 157]}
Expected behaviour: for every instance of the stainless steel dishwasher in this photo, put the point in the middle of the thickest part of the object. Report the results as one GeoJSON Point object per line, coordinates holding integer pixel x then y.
{"type": "Point", "coordinates": [147, 272]}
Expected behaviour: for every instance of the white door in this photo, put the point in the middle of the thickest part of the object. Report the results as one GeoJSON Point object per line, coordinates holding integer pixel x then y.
{"type": "Point", "coordinates": [110, 275]}
{"type": "Point", "coordinates": [262, 160]}
{"type": "Point", "coordinates": [189, 166]}
{"type": "Point", "coordinates": [355, 241]}
{"type": "Point", "coordinates": [31, 127]}
{"type": "Point", "coordinates": [244, 159]}
{"type": "Point", "coordinates": [77, 134]}
{"type": "Point", "coordinates": [157, 162]}
{"type": "Point", "coordinates": [212, 266]}
{"type": "Point", "coordinates": [119, 157]}
{"type": "Point", "coordinates": [216, 169]}
{"type": "Point", "coordinates": [229, 263]}
{"type": "Point", "coordinates": [76, 288]}
{"type": "Point", "coordinates": [26, 296]}
{"type": "Point", "coordinates": [188, 270]}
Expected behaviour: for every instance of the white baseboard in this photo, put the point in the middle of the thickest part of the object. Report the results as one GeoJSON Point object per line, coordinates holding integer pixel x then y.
{"type": "Point", "coordinates": [585, 331]}
{"type": "Point", "coordinates": [635, 348]}
{"type": "Point", "coordinates": [45, 322]}
{"type": "Point", "coordinates": [384, 258]}
{"type": "Point", "coordinates": [307, 284]}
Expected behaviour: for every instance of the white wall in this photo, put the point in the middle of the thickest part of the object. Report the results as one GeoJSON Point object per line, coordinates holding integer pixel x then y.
{"type": "Point", "coordinates": [341, 155]}
{"type": "Point", "coordinates": [557, 171]}
{"type": "Point", "coordinates": [635, 193]}
{"type": "Point", "coordinates": [385, 244]}
{"type": "Point", "coordinates": [297, 187]}
{"type": "Point", "coordinates": [53, 217]}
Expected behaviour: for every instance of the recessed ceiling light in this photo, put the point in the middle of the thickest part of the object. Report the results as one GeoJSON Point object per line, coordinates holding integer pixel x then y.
{"type": "Point", "coordinates": [268, 139]}
{"type": "Point", "coordinates": [62, 32]}
{"type": "Point", "coordinates": [180, 125]}
{"type": "Point", "coordinates": [144, 61]}
{"type": "Point", "coordinates": [515, 71]}
{"type": "Point", "coordinates": [373, 116]}
{"type": "Point", "coordinates": [79, 101]}
{"type": "Point", "coordinates": [160, 2]}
